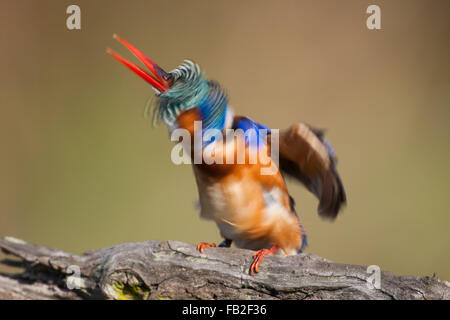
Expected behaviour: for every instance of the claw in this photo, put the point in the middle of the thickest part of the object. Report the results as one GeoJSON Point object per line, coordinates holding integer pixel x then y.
{"type": "Point", "coordinates": [258, 257]}
{"type": "Point", "coordinates": [203, 245]}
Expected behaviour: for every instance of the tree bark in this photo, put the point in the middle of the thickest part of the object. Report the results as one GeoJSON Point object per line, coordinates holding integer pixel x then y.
{"type": "Point", "coordinates": [175, 270]}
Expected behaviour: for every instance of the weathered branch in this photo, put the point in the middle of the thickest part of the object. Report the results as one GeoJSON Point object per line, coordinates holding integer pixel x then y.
{"type": "Point", "coordinates": [175, 270]}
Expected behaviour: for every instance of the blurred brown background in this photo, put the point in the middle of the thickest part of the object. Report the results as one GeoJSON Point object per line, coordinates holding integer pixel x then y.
{"type": "Point", "coordinates": [81, 168]}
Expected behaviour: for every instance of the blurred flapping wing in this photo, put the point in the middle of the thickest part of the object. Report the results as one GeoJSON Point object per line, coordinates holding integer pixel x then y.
{"type": "Point", "coordinates": [307, 157]}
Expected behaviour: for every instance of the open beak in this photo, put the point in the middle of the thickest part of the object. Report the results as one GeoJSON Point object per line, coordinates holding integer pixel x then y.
{"type": "Point", "coordinates": [157, 77]}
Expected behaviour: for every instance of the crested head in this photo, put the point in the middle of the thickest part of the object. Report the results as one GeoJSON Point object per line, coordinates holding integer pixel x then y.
{"type": "Point", "coordinates": [188, 88]}
{"type": "Point", "coordinates": [191, 89]}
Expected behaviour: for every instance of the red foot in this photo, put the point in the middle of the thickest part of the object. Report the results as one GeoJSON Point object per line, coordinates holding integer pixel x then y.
{"type": "Point", "coordinates": [258, 257]}
{"type": "Point", "coordinates": [203, 245]}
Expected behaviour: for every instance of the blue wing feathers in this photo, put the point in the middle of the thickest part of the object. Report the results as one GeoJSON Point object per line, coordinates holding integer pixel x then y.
{"type": "Point", "coordinates": [255, 133]}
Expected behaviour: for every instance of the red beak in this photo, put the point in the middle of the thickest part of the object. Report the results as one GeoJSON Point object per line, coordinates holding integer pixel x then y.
{"type": "Point", "coordinates": [158, 78]}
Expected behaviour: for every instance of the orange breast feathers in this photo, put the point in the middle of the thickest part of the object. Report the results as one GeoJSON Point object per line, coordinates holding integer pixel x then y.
{"type": "Point", "coordinates": [249, 208]}
{"type": "Point", "coordinates": [255, 213]}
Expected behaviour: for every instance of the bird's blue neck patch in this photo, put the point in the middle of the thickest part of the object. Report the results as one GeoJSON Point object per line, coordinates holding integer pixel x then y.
{"type": "Point", "coordinates": [213, 109]}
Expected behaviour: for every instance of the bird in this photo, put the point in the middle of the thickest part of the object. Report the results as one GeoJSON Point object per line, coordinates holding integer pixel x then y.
{"type": "Point", "coordinates": [252, 208]}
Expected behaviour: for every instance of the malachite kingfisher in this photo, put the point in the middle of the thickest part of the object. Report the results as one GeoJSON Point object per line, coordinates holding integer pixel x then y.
{"type": "Point", "coordinates": [252, 209]}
